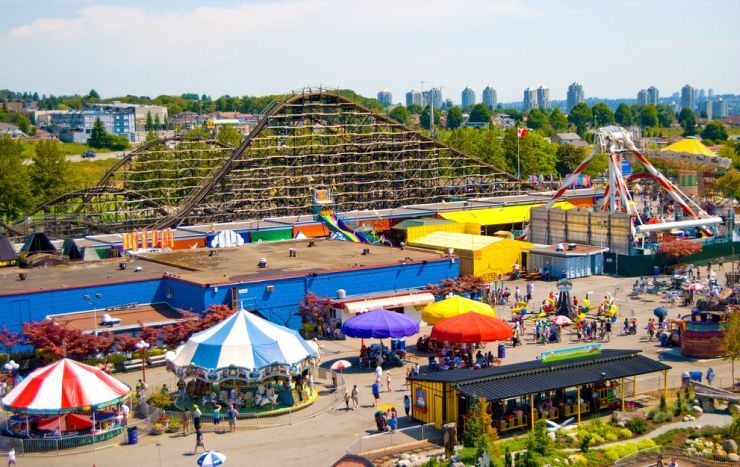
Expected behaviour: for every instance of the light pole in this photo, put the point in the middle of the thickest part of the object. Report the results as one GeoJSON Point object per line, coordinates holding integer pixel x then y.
{"type": "Point", "coordinates": [11, 367]}
{"type": "Point", "coordinates": [93, 303]}
{"type": "Point", "coordinates": [142, 346]}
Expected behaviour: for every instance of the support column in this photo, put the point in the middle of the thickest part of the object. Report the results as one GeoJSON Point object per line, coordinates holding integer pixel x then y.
{"type": "Point", "coordinates": [634, 386]}
{"type": "Point", "coordinates": [665, 384]}
{"type": "Point", "coordinates": [578, 401]}
{"type": "Point", "coordinates": [621, 384]}
{"type": "Point", "coordinates": [531, 411]}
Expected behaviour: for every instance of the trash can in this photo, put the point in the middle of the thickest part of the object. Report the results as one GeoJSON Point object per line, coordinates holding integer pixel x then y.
{"type": "Point", "coordinates": [402, 344]}
{"type": "Point", "coordinates": [133, 435]}
{"type": "Point", "coordinates": [695, 376]}
{"type": "Point", "coordinates": [685, 378]}
{"type": "Point", "coordinates": [656, 270]}
{"type": "Point", "coordinates": [663, 339]}
{"type": "Point", "coordinates": [502, 350]}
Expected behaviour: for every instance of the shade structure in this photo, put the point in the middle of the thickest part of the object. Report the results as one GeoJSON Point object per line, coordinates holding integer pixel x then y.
{"type": "Point", "coordinates": [471, 327]}
{"type": "Point", "coordinates": [65, 386]}
{"type": "Point", "coordinates": [210, 458]}
{"type": "Point", "coordinates": [66, 422]}
{"type": "Point", "coordinates": [243, 340]}
{"type": "Point", "coordinates": [454, 306]}
{"type": "Point", "coordinates": [380, 324]}
{"type": "Point", "coordinates": [561, 320]}
{"type": "Point", "coordinates": [340, 365]}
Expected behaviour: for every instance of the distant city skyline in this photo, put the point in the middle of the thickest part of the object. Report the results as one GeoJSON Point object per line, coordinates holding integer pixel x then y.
{"type": "Point", "coordinates": [260, 47]}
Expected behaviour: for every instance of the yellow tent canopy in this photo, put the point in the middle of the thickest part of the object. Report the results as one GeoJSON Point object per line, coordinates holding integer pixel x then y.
{"type": "Point", "coordinates": [689, 145]}
{"type": "Point", "coordinates": [454, 306]}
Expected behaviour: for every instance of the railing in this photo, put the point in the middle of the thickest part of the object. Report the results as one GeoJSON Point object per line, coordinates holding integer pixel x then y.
{"type": "Point", "coordinates": [54, 446]}
{"type": "Point", "coordinates": [390, 439]}
{"type": "Point", "coordinates": [645, 456]}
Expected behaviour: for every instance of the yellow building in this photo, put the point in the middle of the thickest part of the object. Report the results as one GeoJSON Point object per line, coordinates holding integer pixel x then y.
{"type": "Point", "coordinates": [479, 255]}
{"type": "Point", "coordinates": [494, 219]}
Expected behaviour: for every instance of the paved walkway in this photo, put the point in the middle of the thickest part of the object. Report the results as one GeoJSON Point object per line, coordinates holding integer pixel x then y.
{"type": "Point", "coordinates": [321, 440]}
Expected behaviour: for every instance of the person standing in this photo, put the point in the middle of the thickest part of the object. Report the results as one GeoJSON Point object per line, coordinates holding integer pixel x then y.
{"type": "Point", "coordinates": [217, 419]}
{"type": "Point", "coordinates": [346, 398]}
{"type": "Point", "coordinates": [530, 290]}
{"type": "Point", "coordinates": [388, 381]}
{"type": "Point", "coordinates": [651, 329]}
{"type": "Point", "coordinates": [407, 404]}
{"type": "Point", "coordinates": [376, 393]}
{"type": "Point", "coordinates": [11, 457]}
{"type": "Point", "coordinates": [355, 397]}
{"type": "Point", "coordinates": [199, 443]}
{"type": "Point", "coordinates": [710, 376]}
{"type": "Point", "coordinates": [232, 414]}
{"type": "Point", "coordinates": [378, 373]}
{"type": "Point", "coordinates": [186, 416]}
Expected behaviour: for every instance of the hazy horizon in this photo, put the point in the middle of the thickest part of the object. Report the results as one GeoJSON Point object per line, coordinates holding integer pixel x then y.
{"type": "Point", "coordinates": [258, 47]}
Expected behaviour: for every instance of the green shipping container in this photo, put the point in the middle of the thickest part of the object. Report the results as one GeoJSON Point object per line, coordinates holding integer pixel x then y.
{"type": "Point", "coordinates": [271, 235]}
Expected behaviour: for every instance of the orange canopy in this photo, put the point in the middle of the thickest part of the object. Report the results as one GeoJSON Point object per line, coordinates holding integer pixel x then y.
{"type": "Point", "coordinates": [471, 327]}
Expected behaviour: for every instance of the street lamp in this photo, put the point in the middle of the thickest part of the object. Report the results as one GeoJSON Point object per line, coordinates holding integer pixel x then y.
{"type": "Point", "coordinates": [142, 346]}
{"type": "Point", "coordinates": [11, 367]}
{"type": "Point", "coordinates": [98, 297]}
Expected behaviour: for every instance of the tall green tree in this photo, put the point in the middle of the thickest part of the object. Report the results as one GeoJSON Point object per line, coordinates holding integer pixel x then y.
{"type": "Point", "coordinates": [623, 115]}
{"type": "Point", "coordinates": [400, 114]}
{"type": "Point", "coordinates": [536, 155]}
{"type": "Point", "coordinates": [537, 120]}
{"type": "Point", "coordinates": [648, 116]}
{"type": "Point", "coordinates": [558, 121]}
{"type": "Point", "coordinates": [568, 158]}
{"type": "Point", "coordinates": [580, 116]}
{"type": "Point", "coordinates": [50, 171]}
{"type": "Point", "coordinates": [94, 94]}
{"type": "Point", "coordinates": [715, 131]}
{"type": "Point", "coordinates": [24, 124]}
{"type": "Point", "coordinates": [15, 195]}
{"type": "Point", "coordinates": [454, 118]}
{"type": "Point", "coordinates": [488, 147]}
{"type": "Point", "coordinates": [602, 115]}
{"type": "Point", "coordinates": [666, 116]}
{"type": "Point", "coordinates": [149, 125]}
{"type": "Point", "coordinates": [414, 109]}
{"type": "Point", "coordinates": [480, 114]}
{"type": "Point", "coordinates": [424, 118]}
{"type": "Point", "coordinates": [98, 135]}
{"type": "Point", "coordinates": [229, 135]}
{"type": "Point", "coordinates": [157, 125]}
{"type": "Point", "coordinates": [687, 120]}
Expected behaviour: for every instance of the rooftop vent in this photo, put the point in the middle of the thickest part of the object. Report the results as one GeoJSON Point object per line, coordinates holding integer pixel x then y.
{"type": "Point", "coordinates": [262, 263]}
{"type": "Point", "coordinates": [571, 246]}
{"type": "Point", "coordinates": [365, 251]}
{"type": "Point", "coordinates": [559, 247]}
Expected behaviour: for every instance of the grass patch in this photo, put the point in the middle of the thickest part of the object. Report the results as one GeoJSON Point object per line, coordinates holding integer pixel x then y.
{"type": "Point", "coordinates": [88, 172]}
{"type": "Point", "coordinates": [69, 149]}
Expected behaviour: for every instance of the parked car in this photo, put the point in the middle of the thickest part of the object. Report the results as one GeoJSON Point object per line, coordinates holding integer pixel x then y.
{"type": "Point", "coordinates": [88, 154]}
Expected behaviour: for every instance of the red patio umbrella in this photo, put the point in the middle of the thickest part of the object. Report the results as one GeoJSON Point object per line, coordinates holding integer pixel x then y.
{"type": "Point", "coordinates": [471, 327]}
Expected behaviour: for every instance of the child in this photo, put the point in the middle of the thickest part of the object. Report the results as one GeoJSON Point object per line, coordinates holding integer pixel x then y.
{"type": "Point", "coordinates": [199, 443]}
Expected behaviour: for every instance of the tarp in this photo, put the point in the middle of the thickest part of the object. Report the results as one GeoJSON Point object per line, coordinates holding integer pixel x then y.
{"type": "Point", "coordinates": [66, 422]}
{"type": "Point", "coordinates": [8, 256]}
{"type": "Point", "coordinates": [380, 324]}
{"type": "Point", "coordinates": [470, 328]}
{"type": "Point", "coordinates": [244, 340]}
{"type": "Point", "coordinates": [454, 306]}
{"type": "Point", "coordinates": [504, 215]}
{"type": "Point", "coordinates": [38, 242]}
{"type": "Point", "coordinates": [65, 386]}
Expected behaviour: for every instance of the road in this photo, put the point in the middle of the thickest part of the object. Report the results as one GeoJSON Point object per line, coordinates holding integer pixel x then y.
{"type": "Point", "coordinates": [322, 440]}
{"type": "Point", "coordinates": [98, 156]}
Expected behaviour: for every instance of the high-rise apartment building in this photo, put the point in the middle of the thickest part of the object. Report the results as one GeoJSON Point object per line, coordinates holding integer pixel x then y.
{"type": "Point", "coordinates": [642, 97]}
{"type": "Point", "coordinates": [529, 101]}
{"type": "Point", "coordinates": [543, 98]}
{"type": "Point", "coordinates": [575, 95]}
{"type": "Point", "coordinates": [720, 109]}
{"type": "Point", "coordinates": [710, 93]}
{"type": "Point", "coordinates": [434, 95]}
{"type": "Point", "coordinates": [468, 97]}
{"type": "Point", "coordinates": [385, 97]}
{"type": "Point", "coordinates": [489, 98]}
{"type": "Point", "coordinates": [705, 107]}
{"type": "Point", "coordinates": [652, 95]}
{"type": "Point", "coordinates": [414, 97]}
{"type": "Point", "coordinates": [688, 97]}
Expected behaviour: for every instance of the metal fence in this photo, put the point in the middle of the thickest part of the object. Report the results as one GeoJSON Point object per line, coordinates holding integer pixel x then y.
{"type": "Point", "coordinates": [400, 437]}
{"type": "Point", "coordinates": [649, 455]}
{"type": "Point", "coordinates": [55, 446]}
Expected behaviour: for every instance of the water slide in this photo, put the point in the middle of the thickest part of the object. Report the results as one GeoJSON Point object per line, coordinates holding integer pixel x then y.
{"type": "Point", "coordinates": [330, 221]}
{"type": "Point", "coordinates": [348, 230]}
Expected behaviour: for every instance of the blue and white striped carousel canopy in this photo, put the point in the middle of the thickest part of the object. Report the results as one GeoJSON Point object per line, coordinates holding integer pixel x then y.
{"type": "Point", "coordinates": [244, 340]}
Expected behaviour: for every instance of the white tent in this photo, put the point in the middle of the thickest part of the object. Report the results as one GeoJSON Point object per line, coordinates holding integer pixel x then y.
{"type": "Point", "coordinates": [226, 238]}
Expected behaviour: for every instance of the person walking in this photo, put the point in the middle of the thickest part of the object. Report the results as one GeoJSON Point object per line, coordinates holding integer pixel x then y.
{"type": "Point", "coordinates": [651, 329]}
{"type": "Point", "coordinates": [346, 398]}
{"type": "Point", "coordinates": [407, 404]}
{"type": "Point", "coordinates": [196, 417]}
{"type": "Point", "coordinates": [217, 419]}
{"type": "Point", "coordinates": [199, 443]}
{"type": "Point", "coordinates": [376, 393]}
{"type": "Point", "coordinates": [355, 397]}
{"type": "Point", "coordinates": [388, 381]}
{"type": "Point", "coordinates": [710, 376]}
{"type": "Point", "coordinates": [11, 457]}
{"type": "Point", "coordinates": [186, 417]}
{"type": "Point", "coordinates": [232, 415]}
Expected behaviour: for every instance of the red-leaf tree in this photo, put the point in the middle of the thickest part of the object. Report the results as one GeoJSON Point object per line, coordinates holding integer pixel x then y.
{"type": "Point", "coordinates": [314, 309]}
{"type": "Point", "coordinates": [56, 340]}
{"type": "Point", "coordinates": [678, 248]}
{"type": "Point", "coordinates": [467, 284]}
{"type": "Point", "coordinates": [9, 339]}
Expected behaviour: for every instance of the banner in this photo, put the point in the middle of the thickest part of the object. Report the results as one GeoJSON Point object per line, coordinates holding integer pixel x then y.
{"type": "Point", "coordinates": [569, 353]}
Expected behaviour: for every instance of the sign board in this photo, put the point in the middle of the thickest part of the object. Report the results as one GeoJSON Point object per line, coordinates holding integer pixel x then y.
{"type": "Point", "coordinates": [243, 290]}
{"type": "Point", "coordinates": [626, 168]}
{"type": "Point", "coordinates": [321, 197]}
{"type": "Point", "coordinates": [569, 353]}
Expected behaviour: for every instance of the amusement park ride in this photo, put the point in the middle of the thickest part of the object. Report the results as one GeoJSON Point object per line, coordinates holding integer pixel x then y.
{"type": "Point", "coordinates": [617, 144]}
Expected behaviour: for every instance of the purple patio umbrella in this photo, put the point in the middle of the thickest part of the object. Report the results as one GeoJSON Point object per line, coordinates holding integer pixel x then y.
{"type": "Point", "coordinates": [380, 324]}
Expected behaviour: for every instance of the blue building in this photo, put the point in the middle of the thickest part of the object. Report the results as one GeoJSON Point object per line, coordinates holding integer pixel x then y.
{"type": "Point", "coordinates": [337, 269]}
{"type": "Point", "coordinates": [76, 125]}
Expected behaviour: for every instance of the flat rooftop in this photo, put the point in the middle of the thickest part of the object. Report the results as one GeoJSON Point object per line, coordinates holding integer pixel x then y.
{"type": "Point", "coordinates": [230, 265]}
{"type": "Point", "coordinates": [157, 314]}
{"type": "Point", "coordinates": [78, 274]}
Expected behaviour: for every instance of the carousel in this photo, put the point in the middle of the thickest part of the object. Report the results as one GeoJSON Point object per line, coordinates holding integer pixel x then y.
{"type": "Point", "coordinates": [246, 361]}
{"type": "Point", "coordinates": [67, 403]}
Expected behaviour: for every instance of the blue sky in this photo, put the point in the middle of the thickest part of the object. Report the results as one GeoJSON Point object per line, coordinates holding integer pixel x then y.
{"type": "Point", "coordinates": [614, 48]}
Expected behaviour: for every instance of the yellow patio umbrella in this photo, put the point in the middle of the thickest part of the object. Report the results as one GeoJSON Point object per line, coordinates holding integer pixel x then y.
{"type": "Point", "coordinates": [454, 306]}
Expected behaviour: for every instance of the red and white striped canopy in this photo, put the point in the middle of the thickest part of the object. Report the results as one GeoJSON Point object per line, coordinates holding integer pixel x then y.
{"type": "Point", "coordinates": [65, 386]}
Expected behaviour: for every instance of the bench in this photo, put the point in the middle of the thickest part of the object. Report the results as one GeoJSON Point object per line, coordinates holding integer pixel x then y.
{"type": "Point", "coordinates": [132, 364]}
{"type": "Point", "coordinates": [157, 360]}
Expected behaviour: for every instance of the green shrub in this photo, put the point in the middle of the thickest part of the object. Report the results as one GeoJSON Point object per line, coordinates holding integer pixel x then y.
{"type": "Point", "coordinates": [637, 425]}
{"type": "Point", "coordinates": [156, 351]}
{"type": "Point", "coordinates": [159, 400]}
{"type": "Point", "coordinates": [4, 358]}
{"type": "Point", "coordinates": [585, 442]}
{"type": "Point", "coordinates": [624, 433]}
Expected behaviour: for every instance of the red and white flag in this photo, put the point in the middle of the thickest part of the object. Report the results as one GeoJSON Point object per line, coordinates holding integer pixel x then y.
{"type": "Point", "coordinates": [521, 132]}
